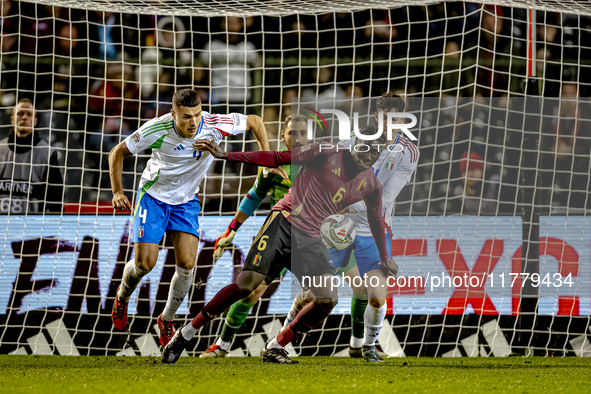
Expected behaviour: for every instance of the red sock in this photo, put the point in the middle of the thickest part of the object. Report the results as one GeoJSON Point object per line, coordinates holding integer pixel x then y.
{"type": "Point", "coordinates": [285, 336]}
{"type": "Point", "coordinates": [199, 321]}
{"type": "Point", "coordinates": [309, 317]}
{"type": "Point", "coordinates": [288, 334]}
{"type": "Point", "coordinates": [218, 304]}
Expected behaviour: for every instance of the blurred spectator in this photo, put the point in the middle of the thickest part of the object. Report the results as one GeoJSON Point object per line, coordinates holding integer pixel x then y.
{"type": "Point", "coordinates": [336, 33]}
{"type": "Point", "coordinates": [68, 43]}
{"type": "Point", "coordinates": [452, 50]}
{"type": "Point", "coordinates": [567, 122]}
{"type": "Point", "coordinates": [117, 95]}
{"type": "Point", "coordinates": [200, 83]}
{"type": "Point", "coordinates": [98, 145]}
{"type": "Point", "coordinates": [37, 24]}
{"type": "Point", "coordinates": [325, 85]}
{"type": "Point", "coordinates": [30, 176]}
{"type": "Point", "coordinates": [298, 34]}
{"type": "Point", "coordinates": [494, 54]}
{"type": "Point", "coordinates": [231, 58]}
{"type": "Point", "coordinates": [565, 168]}
{"type": "Point", "coordinates": [9, 16]}
{"type": "Point", "coordinates": [542, 55]}
{"type": "Point", "coordinates": [379, 30]}
{"type": "Point", "coordinates": [8, 26]}
{"type": "Point", "coordinates": [160, 101]}
{"type": "Point", "coordinates": [479, 196]}
{"type": "Point", "coordinates": [166, 52]}
{"type": "Point", "coordinates": [549, 33]}
{"type": "Point", "coordinates": [354, 100]}
{"type": "Point", "coordinates": [106, 35]}
{"type": "Point", "coordinates": [8, 45]}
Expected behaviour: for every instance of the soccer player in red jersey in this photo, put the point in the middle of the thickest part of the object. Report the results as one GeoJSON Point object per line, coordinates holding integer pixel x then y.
{"type": "Point", "coordinates": [331, 178]}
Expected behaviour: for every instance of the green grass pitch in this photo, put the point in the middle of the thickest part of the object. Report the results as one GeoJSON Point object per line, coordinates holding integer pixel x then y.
{"type": "Point", "coordinates": [57, 374]}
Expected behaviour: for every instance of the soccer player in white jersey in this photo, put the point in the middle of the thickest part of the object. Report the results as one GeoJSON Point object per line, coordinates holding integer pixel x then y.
{"type": "Point", "coordinates": [167, 197]}
{"type": "Point", "coordinates": [393, 169]}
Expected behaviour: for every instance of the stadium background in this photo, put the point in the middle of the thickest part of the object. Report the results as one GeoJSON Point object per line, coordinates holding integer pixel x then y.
{"type": "Point", "coordinates": [95, 76]}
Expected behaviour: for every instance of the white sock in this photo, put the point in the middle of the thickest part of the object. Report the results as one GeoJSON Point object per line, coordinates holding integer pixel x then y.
{"type": "Point", "coordinates": [290, 317]}
{"type": "Point", "coordinates": [273, 344]}
{"type": "Point", "coordinates": [355, 342]}
{"type": "Point", "coordinates": [188, 331]}
{"type": "Point", "coordinates": [374, 320]}
{"type": "Point", "coordinates": [179, 288]}
{"type": "Point", "coordinates": [223, 345]}
{"type": "Point", "coordinates": [132, 276]}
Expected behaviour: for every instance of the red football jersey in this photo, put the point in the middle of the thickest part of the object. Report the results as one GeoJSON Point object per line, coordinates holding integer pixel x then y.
{"type": "Point", "coordinates": [328, 182]}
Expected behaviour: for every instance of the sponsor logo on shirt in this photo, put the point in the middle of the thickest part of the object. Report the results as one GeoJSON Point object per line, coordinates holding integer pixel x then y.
{"type": "Point", "coordinates": [135, 137]}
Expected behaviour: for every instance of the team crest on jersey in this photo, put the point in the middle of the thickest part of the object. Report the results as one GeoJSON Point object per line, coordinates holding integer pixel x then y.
{"type": "Point", "coordinates": [140, 231]}
{"type": "Point", "coordinates": [362, 185]}
{"type": "Point", "coordinates": [257, 259]}
{"type": "Point", "coordinates": [306, 147]}
{"type": "Point", "coordinates": [135, 137]}
{"type": "Point", "coordinates": [389, 165]}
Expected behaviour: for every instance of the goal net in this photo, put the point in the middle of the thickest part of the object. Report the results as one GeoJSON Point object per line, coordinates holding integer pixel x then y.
{"type": "Point", "coordinates": [491, 233]}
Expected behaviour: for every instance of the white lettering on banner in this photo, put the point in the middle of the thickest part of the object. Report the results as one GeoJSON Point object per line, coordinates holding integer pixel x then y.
{"type": "Point", "coordinates": [452, 265]}
{"type": "Point", "coordinates": [13, 205]}
{"type": "Point", "coordinates": [15, 187]}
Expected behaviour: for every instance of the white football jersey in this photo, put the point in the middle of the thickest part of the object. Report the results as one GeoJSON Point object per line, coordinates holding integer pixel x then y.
{"type": "Point", "coordinates": [400, 160]}
{"type": "Point", "coordinates": [175, 170]}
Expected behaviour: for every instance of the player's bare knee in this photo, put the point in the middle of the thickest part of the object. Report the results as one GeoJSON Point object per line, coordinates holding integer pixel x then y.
{"type": "Point", "coordinates": [377, 302]}
{"type": "Point", "coordinates": [256, 294]}
{"type": "Point", "coordinates": [146, 263]}
{"type": "Point", "coordinates": [186, 263]}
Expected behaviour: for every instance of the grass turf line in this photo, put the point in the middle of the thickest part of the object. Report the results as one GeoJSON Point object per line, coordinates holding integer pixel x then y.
{"type": "Point", "coordinates": [58, 374]}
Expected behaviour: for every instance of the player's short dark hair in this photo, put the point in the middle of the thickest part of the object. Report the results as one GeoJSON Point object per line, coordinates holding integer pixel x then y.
{"type": "Point", "coordinates": [368, 130]}
{"type": "Point", "coordinates": [390, 100]}
{"type": "Point", "coordinates": [186, 98]}
{"type": "Point", "coordinates": [293, 118]}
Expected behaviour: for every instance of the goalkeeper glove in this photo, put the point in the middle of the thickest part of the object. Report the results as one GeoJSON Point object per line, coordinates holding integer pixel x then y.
{"type": "Point", "coordinates": [225, 240]}
{"type": "Point", "coordinates": [389, 267]}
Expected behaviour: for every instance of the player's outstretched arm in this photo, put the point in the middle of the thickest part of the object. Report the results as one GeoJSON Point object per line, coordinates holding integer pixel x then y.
{"type": "Point", "coordinates": [116, 157]}
{"type": "Point", "coordinates": [265, 159]}
{"type": "Point", "coordinates": [255, 123]}
{"type": "Point", "coordinates": [373, 202]}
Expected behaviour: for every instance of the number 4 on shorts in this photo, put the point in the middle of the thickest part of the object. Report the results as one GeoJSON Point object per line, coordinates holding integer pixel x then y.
{"type": "Point", "coordinates": [143, 213]}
